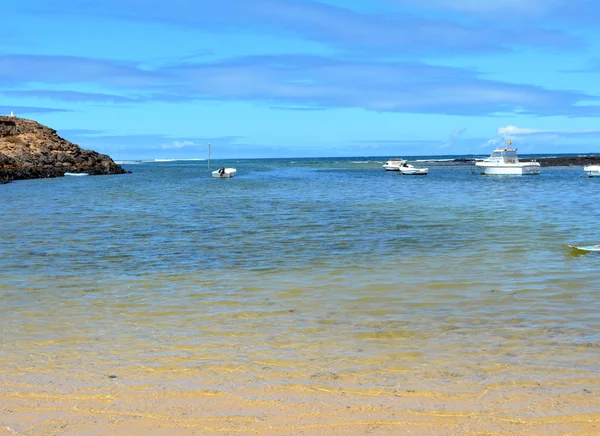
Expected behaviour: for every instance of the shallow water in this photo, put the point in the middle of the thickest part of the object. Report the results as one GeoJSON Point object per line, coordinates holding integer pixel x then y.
{"type": "Point", "coordinates": [326, 272]}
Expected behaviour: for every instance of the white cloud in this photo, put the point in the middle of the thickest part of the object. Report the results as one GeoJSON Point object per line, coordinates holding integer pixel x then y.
{"type": "Point", "coordinates": [454, 135]}
{"type": "Point", "coordinates": [514, 130]}
{"type": "Point", "coordinates": [528, 7]}
{"type": "Point", "coordinates": [517, 131]}
{"type": "Point", "coordinates": [179, 144]}
{"type": "Point", "coordinates": [529, 138]}
{"type": "Point", "coordinates": [493, 143]}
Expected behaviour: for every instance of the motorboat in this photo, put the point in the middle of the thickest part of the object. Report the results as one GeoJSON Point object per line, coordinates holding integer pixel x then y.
{"type": "Point", "coordinates": [407, 169]}
{"type": "Point", "coordinates": [76, 174]}
{"type": "Point", "coordinates": [394, 164]}
{"type": "Point", "coordinates": [592, 170]}
{"type": "Point", "coordinates": [504, 161]}
{"type": "Point", "coordinates": [224, 173]}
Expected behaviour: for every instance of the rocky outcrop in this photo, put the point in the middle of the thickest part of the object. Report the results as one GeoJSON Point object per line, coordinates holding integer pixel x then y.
{"type": "Point", "coordinates": [29, 150]}
{"type": "Point", "coordinates": [558, 161]}
{"type": "Point", "coordinates": [564, 161]}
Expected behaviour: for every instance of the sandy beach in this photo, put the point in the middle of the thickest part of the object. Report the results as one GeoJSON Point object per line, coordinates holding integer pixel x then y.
{"type": "Point", "coordinates": [231, 401]}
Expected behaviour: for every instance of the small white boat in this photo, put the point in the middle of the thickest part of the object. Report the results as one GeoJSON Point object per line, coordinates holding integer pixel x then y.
{"type": "Point", "coordinates": [224, 173]}
{"type": "Point", "coordinates": [409, 170]}
{"type": "Point", "coordinates": [76, 174]}
{"type": "Point", "coordinates": [594, 248]}
{"type": "Point", "coordinates": [393, 164]}
{"type": "Point", "coordinates": [592, 170]}
{"type": "Point", "coordinates": [504, 161]}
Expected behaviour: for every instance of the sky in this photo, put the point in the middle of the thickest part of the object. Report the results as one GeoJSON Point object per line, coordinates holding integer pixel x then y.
{"type": "Point", "coordinates": [144, 79]}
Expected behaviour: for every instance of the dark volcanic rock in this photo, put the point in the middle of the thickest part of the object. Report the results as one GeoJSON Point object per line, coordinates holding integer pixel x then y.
{"type": "Point", "coordinates": [29, 150]}
{"type": "Point", "coordinates": [564, 161]}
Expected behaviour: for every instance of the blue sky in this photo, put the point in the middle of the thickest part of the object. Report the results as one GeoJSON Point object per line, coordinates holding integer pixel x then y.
{"type": "Point", "coordinates": [140, 79]}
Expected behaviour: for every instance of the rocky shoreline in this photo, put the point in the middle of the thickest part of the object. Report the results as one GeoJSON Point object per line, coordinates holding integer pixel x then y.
{"type": "Point", "coordinates": [29, 150]}
{"type": "Point", "coordinates": [558, 161]}
{"type": "Point", "coordinates": [565, 161]}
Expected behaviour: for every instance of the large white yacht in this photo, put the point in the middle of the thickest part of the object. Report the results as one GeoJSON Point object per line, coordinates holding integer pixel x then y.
{"type": "Point", "coordinates": [504, 161]}
{"type": "Point", "coordinates": [592, 170]}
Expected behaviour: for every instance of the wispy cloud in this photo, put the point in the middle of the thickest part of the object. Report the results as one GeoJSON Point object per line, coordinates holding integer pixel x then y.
{"type": "Point", "coordinates": [22, 69]}
{"type": "Point", "coordinates": [452, 138]}
{"type": "Point", "coordinates": [537, 14]}
{"type": "Point", "coordinates": [311, 81]}
{"type": "Point", "coordinates": [29, 110]}
{"type": "Point", "coordinates": [495, 7]}
{"type": "Point", "coordinates": [299, 82]}
{"type": "Point", "coordinates": [179, 144]}
{"type": "Point", "coordinates": [72, 96]}
{"type": "Point", "coordinates": [398, 32]}
{"type": "Point", "coordinates": [518, 131]}
{"type": "Point", "coordinates": [147, 140]}
{"type": "Point", "coordinates": [546, 139]}
{"type": "Point", "coordinates": [130, 145]}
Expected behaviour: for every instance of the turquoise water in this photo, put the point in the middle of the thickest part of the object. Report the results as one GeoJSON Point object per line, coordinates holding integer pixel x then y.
{"type": "Point", "coordinates": [330, 266]}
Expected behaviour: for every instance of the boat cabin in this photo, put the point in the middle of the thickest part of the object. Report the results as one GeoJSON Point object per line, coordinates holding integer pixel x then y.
{"type": "Point", "coordinates": [504, 155]}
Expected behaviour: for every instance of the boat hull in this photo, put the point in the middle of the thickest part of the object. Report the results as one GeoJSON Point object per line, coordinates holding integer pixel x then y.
{"type": "Point", "coordinates": [592, 170]}
{"type": "Point", "coordinates": [224, 173]}
{"type": "Point", "coordinates": [393, 164]}
{"type": "Point", "coordinates": [594, 248]}
{"type": "Point", "coordinates": [509, 170]}
{"type": "Point", "coordinates": [414, 172]}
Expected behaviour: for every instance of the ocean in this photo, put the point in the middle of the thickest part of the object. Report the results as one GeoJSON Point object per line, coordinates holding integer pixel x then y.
{"type": "Point", "coordinates": [329, 272]}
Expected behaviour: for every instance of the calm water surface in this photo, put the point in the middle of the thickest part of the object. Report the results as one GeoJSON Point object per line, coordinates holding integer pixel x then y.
{"type": "Point", "coordinates": [330, 266]}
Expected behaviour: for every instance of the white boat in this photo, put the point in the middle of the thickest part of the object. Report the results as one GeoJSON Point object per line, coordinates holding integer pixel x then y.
{"type": "Point", "coordinates": [224, 173]}
{"type": "Point", "coordinates": [592, 170]}
{"type": "Point", "coordinates": [504, 161]}
{"type": "Point", "coordinates": [76, 174]}
{"type": "Point", "coordinates": [394, 164]}
{"type": "Point", "coordinates": [595, 248]}
{"type": "Point", "coordinates": [409, 170]}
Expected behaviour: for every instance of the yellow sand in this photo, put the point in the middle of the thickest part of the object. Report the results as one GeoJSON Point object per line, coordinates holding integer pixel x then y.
{"type": "Point", "coordinates": [142, 403]}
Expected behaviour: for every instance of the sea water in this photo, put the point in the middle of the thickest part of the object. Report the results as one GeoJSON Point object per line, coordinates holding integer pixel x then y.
{"type": "Point", "coordinates": [304, 271]}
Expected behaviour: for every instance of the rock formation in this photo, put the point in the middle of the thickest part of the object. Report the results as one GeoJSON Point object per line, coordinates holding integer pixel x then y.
{"type": "Point", "coordinates": [29, 150]}
{"type": "Point", "coordinates": [563, 161]}
{"type": "Point", "coordinates": [557, 161]}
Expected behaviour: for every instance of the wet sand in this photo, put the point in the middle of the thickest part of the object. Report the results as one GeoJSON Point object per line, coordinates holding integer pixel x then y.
{"type": "Point", "coordinates": [235, 402]}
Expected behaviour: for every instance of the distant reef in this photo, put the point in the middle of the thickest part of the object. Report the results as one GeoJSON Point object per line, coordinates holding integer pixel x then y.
{"type": "Point", "coordinates": [29, 150]}
{"type": "Point", "coordinates": [564, 161]}
{"type": "Point", "coordinates": [556, 161]}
